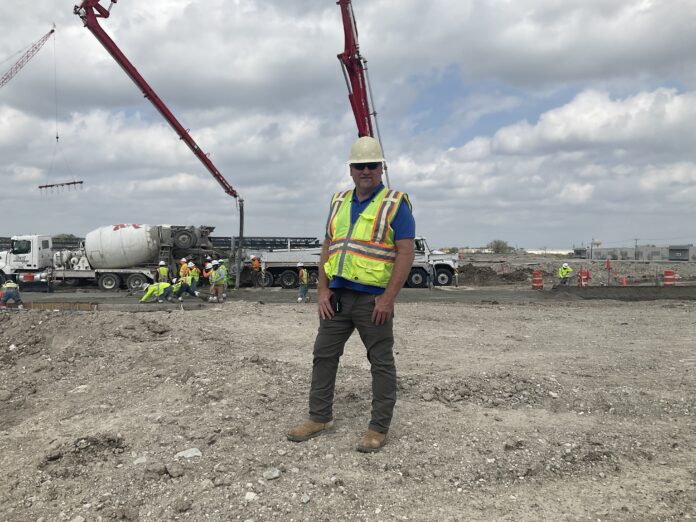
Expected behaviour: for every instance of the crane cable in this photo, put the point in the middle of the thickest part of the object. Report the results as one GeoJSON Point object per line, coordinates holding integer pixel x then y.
{"type": "Point", "coordinates": [57, 150]}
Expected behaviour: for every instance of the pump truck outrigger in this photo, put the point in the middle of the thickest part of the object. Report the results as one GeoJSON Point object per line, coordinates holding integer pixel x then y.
{"type": "Point", "coordinates": [89, 11]}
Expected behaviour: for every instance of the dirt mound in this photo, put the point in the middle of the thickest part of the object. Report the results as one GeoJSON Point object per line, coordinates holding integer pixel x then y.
{"type": "Point", "coordinates": [486, 275]}
{"type": "Point", "coordinates": [501, 415]}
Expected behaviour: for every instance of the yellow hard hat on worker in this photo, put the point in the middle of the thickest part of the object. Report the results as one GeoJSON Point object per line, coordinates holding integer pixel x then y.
{"type": "Point", "coordinates": [366, 150]}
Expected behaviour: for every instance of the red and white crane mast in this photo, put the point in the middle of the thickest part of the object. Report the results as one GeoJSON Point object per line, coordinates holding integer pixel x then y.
{"type": "Point", "coordinates": [28, 55]}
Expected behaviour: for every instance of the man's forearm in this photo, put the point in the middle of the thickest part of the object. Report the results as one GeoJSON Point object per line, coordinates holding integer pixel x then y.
{"type": "Point", "coordinates": [402, 267]}
{"type": "Point", "coordinates": [322, 280]}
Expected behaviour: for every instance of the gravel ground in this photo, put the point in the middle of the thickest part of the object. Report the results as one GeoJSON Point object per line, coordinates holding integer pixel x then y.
{"type": "Point", "coordinates": [560, 409]}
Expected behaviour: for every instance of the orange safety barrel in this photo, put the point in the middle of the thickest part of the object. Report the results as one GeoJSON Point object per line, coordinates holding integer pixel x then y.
{"type": "Point", "coordinates": [668, 278]}
{"type": "Point", "coordinates": [584, 278]}
{"type": "Point", "coordinates": [537, 280]}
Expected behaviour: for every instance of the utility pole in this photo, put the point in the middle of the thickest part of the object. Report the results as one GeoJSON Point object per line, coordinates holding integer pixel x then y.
{"type": "Point", "coordinates": [635, 250]}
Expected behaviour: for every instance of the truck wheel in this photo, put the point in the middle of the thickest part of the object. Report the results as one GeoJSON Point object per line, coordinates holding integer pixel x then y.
{"type": "Point", "coordinates": [136, 281]}
{"type": "Point", "coordinates": [109, 282]}
{"type": "Point", "coordinates": [184, 239]}
{"type": "Point", "coordinates": [313, 278]}
{"type": "Point", "coordinates": [288, 279]}
{"type": "Point", "coordinates": [265, 279]}
{"type": "Point", "coordinates": [443, 277]}
{"type": "Point", "coordinates": [417, 278]}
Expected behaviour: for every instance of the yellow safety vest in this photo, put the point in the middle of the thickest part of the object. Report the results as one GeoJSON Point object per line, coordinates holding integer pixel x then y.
{"type": "Point", "coordinates": [365, 251]}
{"type": "Point", "coordinates": [564, 272]}
{"type": "Point", "coordinates": [163, 272]}
{"type": "Point", "coordinates": [304, 277]}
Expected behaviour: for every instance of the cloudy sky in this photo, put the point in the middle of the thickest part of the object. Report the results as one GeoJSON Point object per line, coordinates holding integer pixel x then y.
{"type": "Point", "coordinates": [539, 122]}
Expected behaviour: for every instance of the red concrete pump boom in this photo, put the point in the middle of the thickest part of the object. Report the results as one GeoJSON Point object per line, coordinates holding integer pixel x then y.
{"type": "Point", "coordinates": [89, 11]}
{"type": "Point", "coordinates": [354, 68]}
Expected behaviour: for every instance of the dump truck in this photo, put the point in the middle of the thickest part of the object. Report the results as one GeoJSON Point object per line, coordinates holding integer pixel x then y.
{"type": "Point", "coordinates": [111, 256]}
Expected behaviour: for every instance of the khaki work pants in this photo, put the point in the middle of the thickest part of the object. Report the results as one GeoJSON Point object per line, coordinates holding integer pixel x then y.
{"type": "Point", "coordinates": [333, 333]}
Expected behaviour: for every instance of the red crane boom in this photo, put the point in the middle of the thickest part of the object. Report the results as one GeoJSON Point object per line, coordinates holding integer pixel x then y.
{"type": "Point", "coordinates": [89, 11]}
{"type": "Point", "coordinates": [35, 48]}
{"type": "Point", "coordinates": [354, 68]}
{"type": "Point", "coordinates": [353, 65]}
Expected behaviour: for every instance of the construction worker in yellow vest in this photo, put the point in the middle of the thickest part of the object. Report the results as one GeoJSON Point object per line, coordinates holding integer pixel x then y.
{"type": "Point", "coordinates": [183, 267]}
{"type": "Point", "coordinates": [162, 272]}
{"type": "Point", "coordinates": [10, 290]}
{"type": "Point", "coordinates": [303, 277]}
{"type": "Point", "coordinates": [195, 275]}
{"type": "Point", "coordinates": [223, 269]}
{"type": "Point", "coordinates": [217, 285]}
{"type": "Point", "coordinates": [564, 273]}
{"type": "Point", "coordinates": [161, 291]}
{"type": "Point", "coordinates": [185, 286]}
{"type": "Point", "coordinates": [366, 257]}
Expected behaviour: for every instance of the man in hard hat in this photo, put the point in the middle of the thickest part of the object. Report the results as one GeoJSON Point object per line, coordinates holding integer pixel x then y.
{"type": "Point", "coordinates": [303, 278]}
{"type": "Point", "coordinates": [183, 267]}
{"type": "Point", "coordinates": [10, 290]}
{"type": "Point", "coordinates": [564, 273]}
{"type": "Point", "coordinates": [255, 263]}
{"type": "Point", "coordinates": [161, 291]}
{"type": "Point", "coordinates": [216, 283]}
{"type": "Point", "coordinates": [222, 267]}
{"type": "Point", "coordinates": [366, 257]}
{"type": "Point", "coordinates": [195, 274]}
{"type": "Point", "coordinates": [162, 274]}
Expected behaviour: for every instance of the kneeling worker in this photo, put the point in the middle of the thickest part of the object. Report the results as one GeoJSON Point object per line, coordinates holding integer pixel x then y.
{"type": "Point", "coordinates": [159, 290]}
{"type": "Point", "coordinates": [10, 290]}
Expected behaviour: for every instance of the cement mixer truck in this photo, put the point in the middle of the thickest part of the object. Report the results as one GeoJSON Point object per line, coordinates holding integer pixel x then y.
{"type": "Point", "coordinates": [113, 256]}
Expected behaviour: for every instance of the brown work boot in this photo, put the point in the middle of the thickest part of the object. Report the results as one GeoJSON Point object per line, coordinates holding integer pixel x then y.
{"type": "Point", "coordinates": [372, 441]}
{"type": "Point", "coordinates": [309, 429]}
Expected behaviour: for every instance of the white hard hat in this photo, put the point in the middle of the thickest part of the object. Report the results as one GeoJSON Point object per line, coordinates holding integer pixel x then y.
{"type": "Point", "coordinates": [253, 257]}
{"type": "Point", "coordinates": [215, 263]}
{"type": "Point", "coordinates": [565, 265]}
{"type": "Point", "coordinates": [221, 261]}
{"type": "Point", "coordinates": [366, 150]}
{"type": "Point", "coordinates": [300, 264]}
{"type": "Point", "coordinates": [174, 280]}
{"type": "Point", "coordinates": [162, 263]}
{"type": "Point", "coordinates": [208, 265]}
{"type": "Point", "coordinates": [191, 265]}
{"type": "Point", "coordinates": [183, 260]}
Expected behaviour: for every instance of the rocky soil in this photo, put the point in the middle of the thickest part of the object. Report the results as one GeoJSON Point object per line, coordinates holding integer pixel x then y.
{"type": "Point", "coordinates": [539, 411]}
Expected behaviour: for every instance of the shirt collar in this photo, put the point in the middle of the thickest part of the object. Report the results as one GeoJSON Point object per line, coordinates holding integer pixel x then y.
{"type": "Point", "coordinates": [372, 196]}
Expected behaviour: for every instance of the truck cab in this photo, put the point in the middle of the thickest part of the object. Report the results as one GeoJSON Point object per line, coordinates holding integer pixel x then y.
{"type": "Point", "coordinates": [440, 267]}
{"type": "Point", "coordinates": [27, 254]}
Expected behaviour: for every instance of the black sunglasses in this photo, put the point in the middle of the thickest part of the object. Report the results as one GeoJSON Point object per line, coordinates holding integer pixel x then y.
{"type": "Point", "coordinates": [361, 166]}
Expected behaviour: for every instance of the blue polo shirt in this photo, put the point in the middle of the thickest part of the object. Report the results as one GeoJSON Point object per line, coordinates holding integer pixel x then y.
{"type": "Point", "coordinates": [403, 225]}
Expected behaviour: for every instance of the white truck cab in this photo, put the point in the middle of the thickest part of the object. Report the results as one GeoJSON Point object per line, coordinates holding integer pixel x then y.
{"type": "Point", "coordinates": [28, 256]}
{"type": "Point", "coordinates": [434, 264]}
